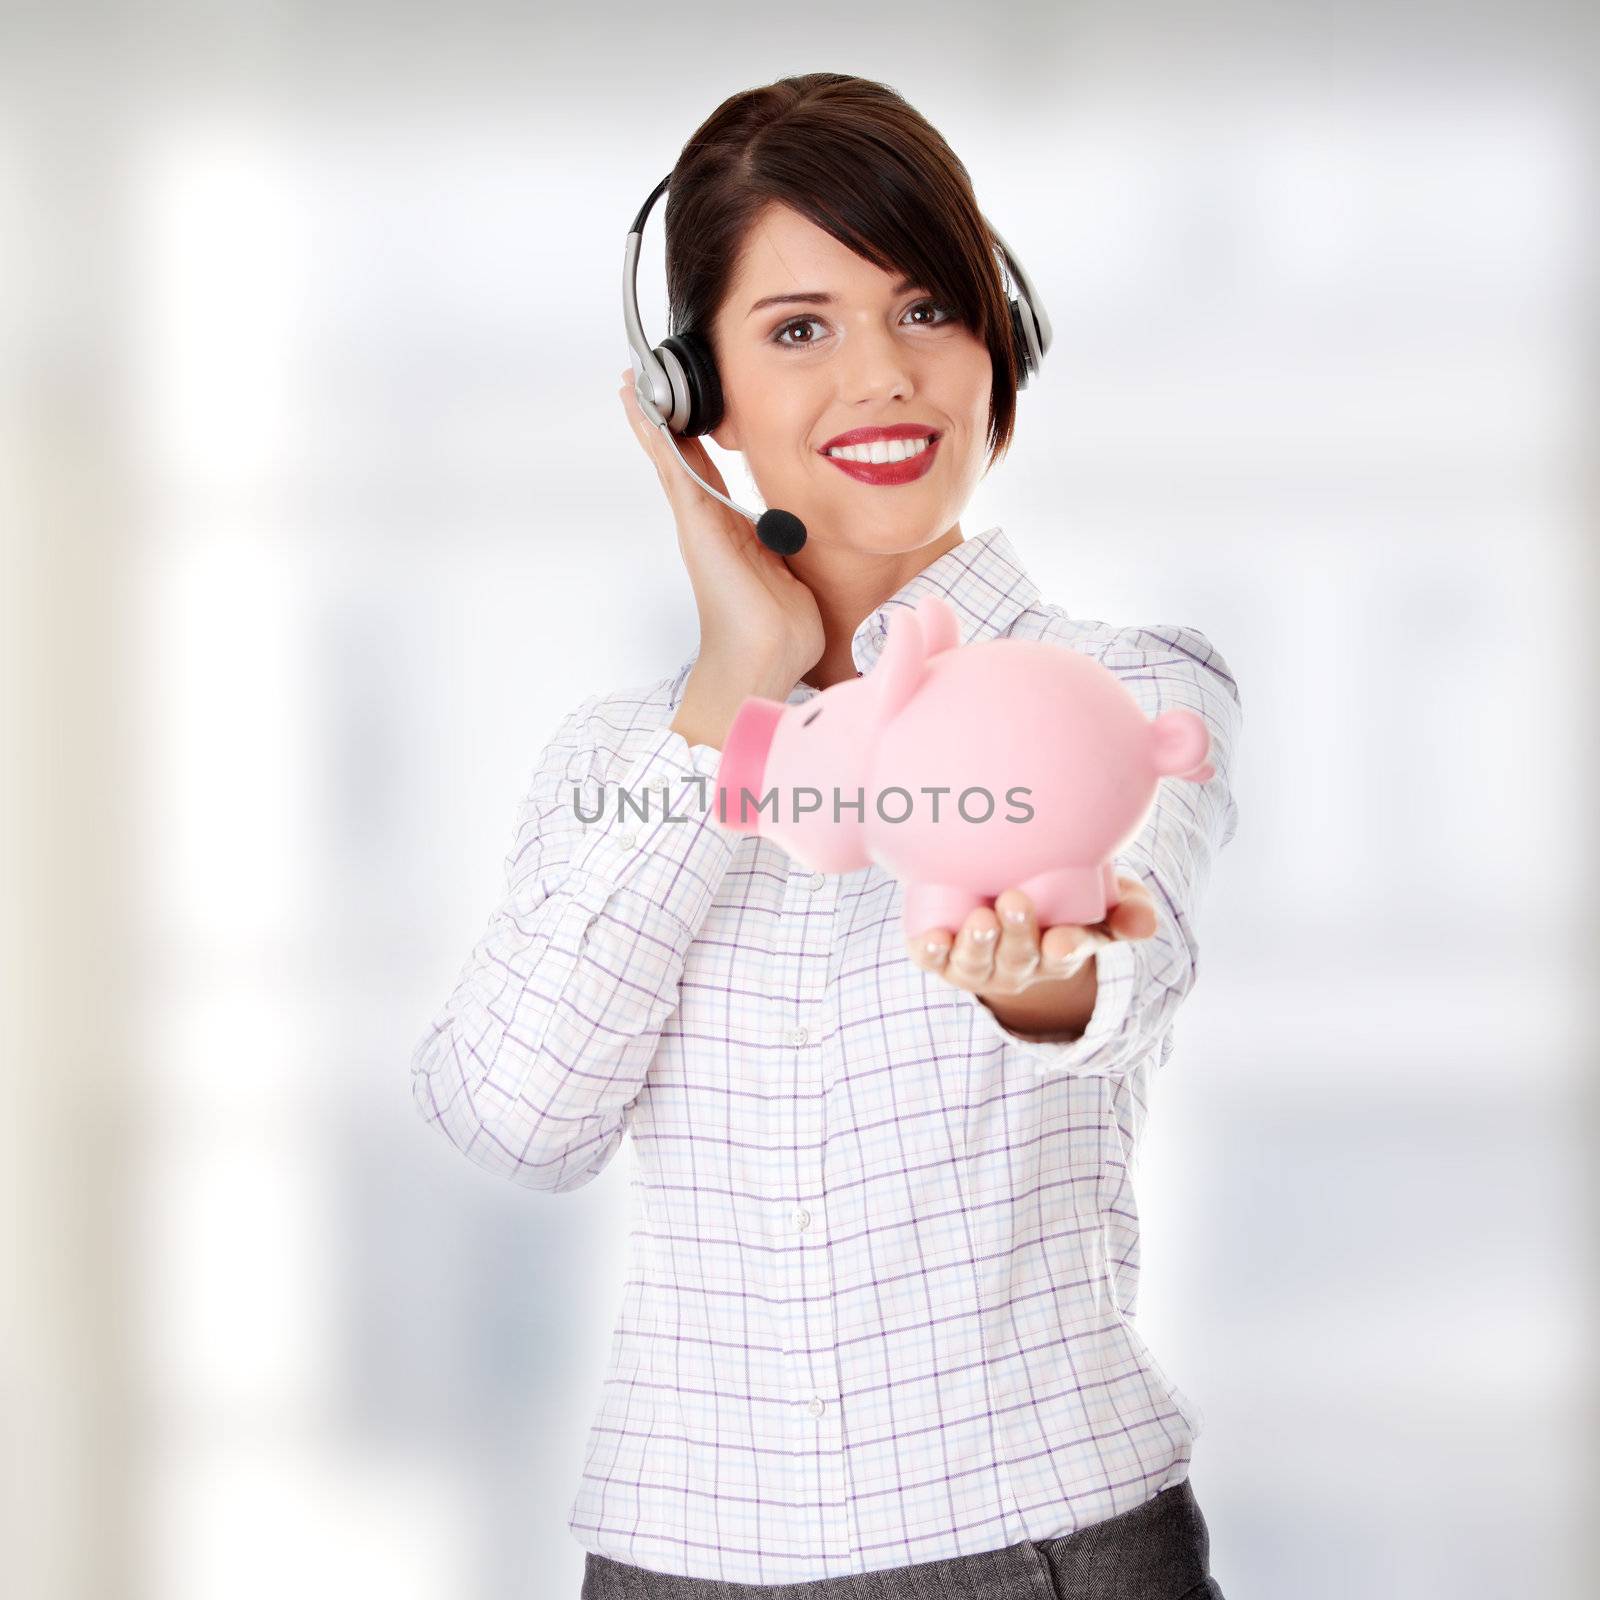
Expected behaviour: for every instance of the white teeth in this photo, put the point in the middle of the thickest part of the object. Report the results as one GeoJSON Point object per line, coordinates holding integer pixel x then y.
{"type": "Point", "coordinates": [881, 450]}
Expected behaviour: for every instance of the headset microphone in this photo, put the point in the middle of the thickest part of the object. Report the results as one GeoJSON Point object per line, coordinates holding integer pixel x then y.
{"type": "Point", "coordinates": [679, 390]}
{"type": "Point", "coordinates": [782, 531]}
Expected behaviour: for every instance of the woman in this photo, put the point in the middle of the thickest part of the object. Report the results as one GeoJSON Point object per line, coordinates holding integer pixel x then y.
{"type": "Point", "coordinates": [877, 1320]}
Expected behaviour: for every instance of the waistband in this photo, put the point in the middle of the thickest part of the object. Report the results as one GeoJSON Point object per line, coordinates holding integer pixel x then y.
{"type": "Point", "coordinates": [1162, 1547]}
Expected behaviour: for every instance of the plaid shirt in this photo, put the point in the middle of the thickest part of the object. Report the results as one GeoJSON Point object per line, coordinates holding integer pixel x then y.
{"type": "Point", "coordinates": [885, 1257]}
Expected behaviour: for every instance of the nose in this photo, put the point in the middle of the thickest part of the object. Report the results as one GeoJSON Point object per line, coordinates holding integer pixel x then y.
{"type": "Point", "coordinates": [876, 365]}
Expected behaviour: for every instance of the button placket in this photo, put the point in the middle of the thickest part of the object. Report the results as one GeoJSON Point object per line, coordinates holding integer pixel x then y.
{"type": "Point", "coordinates": [818, 1412]}
{"type": "Point", "coordinates": [810, 1358]}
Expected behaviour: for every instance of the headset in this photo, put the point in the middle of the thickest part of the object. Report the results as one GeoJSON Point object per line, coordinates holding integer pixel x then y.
{"type": "Point", "coordinates": [679, 390]}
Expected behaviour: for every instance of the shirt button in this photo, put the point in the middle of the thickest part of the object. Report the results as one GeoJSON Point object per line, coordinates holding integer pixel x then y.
{"type": "Point", "coordinates": [798, 1036]}
{"type": "Point", "coordinates": [628, 840]}
{"type": "Point", "coordinates": [816, 881]}
{"type": "Point", "coordinates": [814, 1405]}
{"type": "Point", "coordinates": [802, 1219]}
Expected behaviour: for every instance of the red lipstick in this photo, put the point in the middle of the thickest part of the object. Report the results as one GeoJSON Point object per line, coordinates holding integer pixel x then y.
{"type": "Point", "coordinates": [885, 473]}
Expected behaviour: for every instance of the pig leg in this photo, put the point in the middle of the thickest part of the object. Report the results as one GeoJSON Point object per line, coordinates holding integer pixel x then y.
{"type": "Point", "coordinates": [1069, 894]}
{"type": "Point", "coordinates": [937, 905]}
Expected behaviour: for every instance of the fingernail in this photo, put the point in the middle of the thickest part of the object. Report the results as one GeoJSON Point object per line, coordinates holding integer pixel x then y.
{"type": "Point", "coordinates": [984, 935]}
{"type": "Point", "coordinates": [934, 947]}
{"type": "Point", "coordinates": [1016, 914]}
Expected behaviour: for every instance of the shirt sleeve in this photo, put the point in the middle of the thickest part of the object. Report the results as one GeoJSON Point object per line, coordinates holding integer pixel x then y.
{"type": "Point", "coordinates": [532, 1065]}
{"type": "Point", "coordinates": [1140, 983]}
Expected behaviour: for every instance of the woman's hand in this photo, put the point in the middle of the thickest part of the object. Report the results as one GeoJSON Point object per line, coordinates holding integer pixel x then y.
{"type": "Point", "coordinates": [998, 958]}
{"type": "Point", "coordinates": [758, 622]}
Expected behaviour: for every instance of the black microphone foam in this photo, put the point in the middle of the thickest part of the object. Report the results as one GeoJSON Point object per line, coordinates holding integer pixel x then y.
{"type": "Point", "coordinates": [782, 531]}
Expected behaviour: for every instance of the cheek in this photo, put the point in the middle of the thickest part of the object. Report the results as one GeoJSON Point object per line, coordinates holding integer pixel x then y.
{"type": "Point", "coordinates": [980, 379]}
{"type": "Point", "coordinates": [965, 393]}
{"type": "Point", "coordinates": [977, 386]}
{"type": "Point", "coordinates": [775, 423]}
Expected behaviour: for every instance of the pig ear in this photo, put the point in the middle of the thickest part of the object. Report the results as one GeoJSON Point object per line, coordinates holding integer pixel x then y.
{"type": "Point", "coordinates": [899, 669]}
{"type": "Point", "coordinates": [1179, 745]}
{"type": "Point", "coordinates": [941, 629]}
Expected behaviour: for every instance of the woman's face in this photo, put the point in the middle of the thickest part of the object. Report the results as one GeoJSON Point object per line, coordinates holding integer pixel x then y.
{"type": "Point", "coordinates": [848, 348]}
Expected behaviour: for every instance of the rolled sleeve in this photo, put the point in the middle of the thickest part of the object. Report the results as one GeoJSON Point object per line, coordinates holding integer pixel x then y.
{"type": "Point", "coordinates": [1109, 1038]}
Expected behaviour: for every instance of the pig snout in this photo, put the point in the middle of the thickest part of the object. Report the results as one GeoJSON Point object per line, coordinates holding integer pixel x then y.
{"type": "Point", "coordinates": [744, 762]}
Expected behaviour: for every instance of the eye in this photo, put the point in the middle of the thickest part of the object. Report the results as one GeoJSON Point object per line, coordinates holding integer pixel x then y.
{"type": "Point", "coordinates": [812, 718]}
{"type": "Point", "coordinates": [945, 314]}
{"type": "Point", "coordinates": [794, 322]}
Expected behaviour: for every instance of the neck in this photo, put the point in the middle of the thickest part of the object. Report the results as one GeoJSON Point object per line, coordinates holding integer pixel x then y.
{"type": "Point", "coordinates": [850, 584]}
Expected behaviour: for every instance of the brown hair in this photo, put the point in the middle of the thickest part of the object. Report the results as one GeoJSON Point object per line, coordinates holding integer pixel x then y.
{"type": "Point", "coordinates": [853, 157]}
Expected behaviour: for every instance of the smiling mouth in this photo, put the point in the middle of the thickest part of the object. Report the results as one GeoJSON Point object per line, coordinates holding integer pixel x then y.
{"type": "Point", "coordinates": [886, 462]}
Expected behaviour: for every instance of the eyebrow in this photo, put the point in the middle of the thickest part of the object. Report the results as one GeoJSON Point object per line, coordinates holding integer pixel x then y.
{"type": "Point", "coordinates": [814, 298]}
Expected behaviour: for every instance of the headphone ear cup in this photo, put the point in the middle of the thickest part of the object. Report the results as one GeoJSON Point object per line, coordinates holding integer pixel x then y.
{"type": "Point", "coordinates": [700, 374]}
{"type": "Point", "coordinates": [1021, 343]}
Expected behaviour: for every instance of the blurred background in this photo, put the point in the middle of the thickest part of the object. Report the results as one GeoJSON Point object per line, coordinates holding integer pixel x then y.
{"type": "Point", "coordinates": [319, 510]}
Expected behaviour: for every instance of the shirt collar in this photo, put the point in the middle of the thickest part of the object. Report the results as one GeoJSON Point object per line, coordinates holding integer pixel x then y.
{"type": "Point", "coordinates": [982, 578]}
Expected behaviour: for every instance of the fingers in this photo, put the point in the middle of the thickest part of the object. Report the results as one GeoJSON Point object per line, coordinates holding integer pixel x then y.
{"type": "Point", "coordinates": [965, 959]}
{"type": "Point", "coordinates": [1002, 950]}
{"type": "Point", "coordinates": [675, 482]}
{"type": "Point", "coordinates": [1065, 947]}
{"type": "Point", "coordinates": [649, 434]}
{"type": "Point", "coordinates": [681, 488]}
{"type": "Point", "coordinates": [970, 964]}
{"type": "Point", "coordinates": [1134, 915]}
{"type": "Point", "coordinates": [1016, 956]}
{"type": "Point", "coordinates": [1026, 956]}
{"type": "Point", "coordinates": [989, 952]}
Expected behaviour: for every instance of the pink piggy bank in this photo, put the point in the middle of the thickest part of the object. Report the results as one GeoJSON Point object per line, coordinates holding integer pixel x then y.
{"type": "Point", "coordinates": [961, 770]}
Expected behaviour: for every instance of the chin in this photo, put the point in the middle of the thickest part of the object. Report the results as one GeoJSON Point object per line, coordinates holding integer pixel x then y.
{"type": "Point", "coordinates": [885, 547]}
{"type": "Point", "coordinates": [850, 520]}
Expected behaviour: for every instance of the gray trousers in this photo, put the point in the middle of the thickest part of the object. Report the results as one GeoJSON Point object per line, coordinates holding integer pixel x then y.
{"type": "Point", "coordinates": [1158, 1551]}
